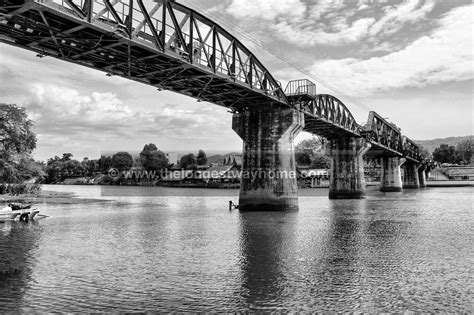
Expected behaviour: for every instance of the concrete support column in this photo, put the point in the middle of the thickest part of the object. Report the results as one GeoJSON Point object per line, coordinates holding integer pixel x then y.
{"type": "Point", "coordinates": [391, 177]}
{"type": "Point", "coordinates": [347, 179]}
{"type": "Point", "coordinates": [410, 178]}
{"type": "Point", "coordinates": [268, 166]}
{"type": "Point", "coordinates": [422, 176]}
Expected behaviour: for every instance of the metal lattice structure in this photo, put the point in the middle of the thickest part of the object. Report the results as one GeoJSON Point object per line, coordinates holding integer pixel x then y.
{"type": "Point", "coordinates": [384, 136]}
{"type": "Point", "coordinates": [170, 46]}
{"type": "Point", "coordinates": [163, 43]}
{"type": "Point", "coordinates": [411, 150]}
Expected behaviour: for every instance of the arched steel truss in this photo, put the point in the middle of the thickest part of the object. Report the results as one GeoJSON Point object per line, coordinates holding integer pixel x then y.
{"type": "Point", "coordinates": [325, 115]}
{"type": "Point", "coordinates": [383, 134]}
{"type": "Point", "coordinates": [161, 43]}
{"type": "Point", "coordinates": [170, 46]}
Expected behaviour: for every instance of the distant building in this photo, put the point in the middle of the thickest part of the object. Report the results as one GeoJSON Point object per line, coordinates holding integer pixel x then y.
{"type": "Point", "coordinates": [459, 173]}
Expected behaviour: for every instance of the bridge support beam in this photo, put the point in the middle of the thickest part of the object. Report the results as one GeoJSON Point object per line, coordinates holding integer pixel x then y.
{"type": "Point", "coordinates": [268, 166]}
{"type": "Point", "coordinates": [391, 177]}
{"type": "Point", "coordinates": [410, 178]}
{"type": "Point", "coordinates": [347, 168]}
{"type": "Point", "coordinates": [422, 176]}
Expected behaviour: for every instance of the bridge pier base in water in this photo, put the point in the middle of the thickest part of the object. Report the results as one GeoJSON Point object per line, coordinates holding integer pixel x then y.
{"type": "Point", "coordinates": [347, 168]}
{"type": "Point", "coordinates": [410, 178]}
{"type": "Point", "coordinates": [422, 176]}
{"type": "Point", "coordinates": [268, 180]}
{"type": "Point", "coordinates": [391, 177]}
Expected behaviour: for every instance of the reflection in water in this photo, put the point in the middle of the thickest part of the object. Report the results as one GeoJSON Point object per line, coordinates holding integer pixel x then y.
{"type": "Point", "coordinates": [171, 252]}
{"type": "Point", "coordinates": [265, 248]}
{"type": "Point", "coordinates": [18, 242]}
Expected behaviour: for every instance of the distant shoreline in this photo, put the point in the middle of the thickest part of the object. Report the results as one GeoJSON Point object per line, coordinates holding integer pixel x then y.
{"type": "Point", "coordinates": [450, 183]}
{"type": "Point", "coordinates": [52, 197]}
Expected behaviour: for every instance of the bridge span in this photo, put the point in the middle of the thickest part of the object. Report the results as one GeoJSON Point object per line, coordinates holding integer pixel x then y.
{"type": "Point", "coordinates": [170, 46]}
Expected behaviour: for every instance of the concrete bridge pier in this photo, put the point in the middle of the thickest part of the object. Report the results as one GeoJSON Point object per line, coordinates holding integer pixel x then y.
{"type": "Point", "coordinates": [422, 176]}
{"type": "Point", "coordinates": [391, 177]}
{"type": "Point", "coordinates": [347, 179]}
{"type": "Point", "coordinates": [268, 165]}
{"type": "Point", "coordinates": [410, 178]}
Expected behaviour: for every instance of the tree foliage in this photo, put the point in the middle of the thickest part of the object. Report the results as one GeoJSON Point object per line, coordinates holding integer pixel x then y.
{"type": "Point", "coordinates": [201, 158]}
{"type": "Point", "coordinates": [17, 141]}
{"type": "Point", "coordinates": [446, 154]}
{"type": "Point", "coordinates": [188, 161]}
{"type": "Point", "coordinates": [122, 161]}
{"type": "Point", "coordinates": [16, 136]}
{"type": "Point", "coordinates": [464, 149]}
{"type": "Point", "coordinates": [153, 159]}
{"type": "Point", "coordinates": [58, 169]}
{"type": "Point", "coordinates": [309, 153]}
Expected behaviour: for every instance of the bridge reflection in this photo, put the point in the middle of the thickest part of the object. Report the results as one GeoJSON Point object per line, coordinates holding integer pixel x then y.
{"type": "Point", "coordinates": [345, 260]}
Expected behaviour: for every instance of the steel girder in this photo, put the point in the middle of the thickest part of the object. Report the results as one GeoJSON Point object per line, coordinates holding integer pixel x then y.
{"type": "Point", "coordinates": [385, 137]}
{"type": "Point", "coordinates": [325, 115]}
{"type": "Point", "coordinates": [160, 43]}
{"type": "Point", "coordinates": [170, 46]}
{"type": "Point", "coordinates": [411, 150]}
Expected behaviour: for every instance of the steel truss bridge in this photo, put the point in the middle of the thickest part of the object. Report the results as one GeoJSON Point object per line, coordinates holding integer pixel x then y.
{"type": "Point", "coordinates": [170, 46]}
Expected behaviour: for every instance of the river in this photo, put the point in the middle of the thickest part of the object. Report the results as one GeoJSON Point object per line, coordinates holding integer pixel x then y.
{"type": "Point", "coordinates": [165, 249]}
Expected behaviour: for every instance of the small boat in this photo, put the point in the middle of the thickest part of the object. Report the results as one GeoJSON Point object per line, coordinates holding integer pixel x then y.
{"type": "Point", "coordinates": [14, 211]}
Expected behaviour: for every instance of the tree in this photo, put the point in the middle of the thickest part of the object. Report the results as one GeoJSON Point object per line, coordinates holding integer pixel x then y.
{"type": "Point", "coordinates": [303, 158]}
{"type": "Point", "coordinates": [188, 161]}
{"type": "Point", "coordinates": [201, 158]}
{"type": "Point", "coordinates": [104, 163]}
{"type": "Point", "coordinates": [66, 157]}
{"type": "Point", "coordinates": [424, 152]}
{"type": "Point", "coordinates": [122, 161]}
{"type": "Point", "coordinates": [17, 141]}
{"type": "Point", "coordinates": [28, 168]}
{"type": "Point", "coordinates": [464, 149]}
{"type": "Point", "coordinates": [446, 154]}
{"type": "Point", "coordinates": [16, 137]}
{"type": "Point", "coordinates": [309, 153]}
{"type": "Point", "coordinates": [153, 159]}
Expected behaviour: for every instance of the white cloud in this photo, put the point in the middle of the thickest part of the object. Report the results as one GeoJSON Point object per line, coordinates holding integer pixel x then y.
{"type": "Point", "coordinates": [267, 10]}
{"type": "Point", "coordinates": [395, 17]}
{"type": "Point", "coordinates": [328, 22]}
{"type": "Point", "coordinates": [446, 55]}
{"type": "Point", "coordinates": [323, 7]}
{"type": "Point", "coordinates": [66, 119]}
{"type": "Point", "coordinates": [311, 37]}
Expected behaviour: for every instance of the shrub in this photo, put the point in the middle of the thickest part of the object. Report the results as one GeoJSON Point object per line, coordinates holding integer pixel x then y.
{"type": "Point", "coordinates": [19, 189]}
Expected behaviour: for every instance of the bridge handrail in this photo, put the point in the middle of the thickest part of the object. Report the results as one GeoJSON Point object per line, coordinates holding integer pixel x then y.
{"type": "Point", "coordinates": [219, 51]}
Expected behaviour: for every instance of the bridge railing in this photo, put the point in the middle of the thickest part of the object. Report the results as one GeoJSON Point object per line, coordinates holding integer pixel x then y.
{"type": "Point", "coordinates": [177, 30]}
{"type": "Point", "coordinates": [300, 87]}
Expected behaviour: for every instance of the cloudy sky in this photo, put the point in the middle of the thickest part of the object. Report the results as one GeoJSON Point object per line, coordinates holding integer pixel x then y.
{"type": "Point", "coordinates": [411, 61]}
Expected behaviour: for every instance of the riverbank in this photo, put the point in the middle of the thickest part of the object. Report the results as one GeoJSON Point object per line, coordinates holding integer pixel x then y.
{"type": "Point", "coordinates": [450, 183]}
{"type": "Point", "coordinates": [46, 196]}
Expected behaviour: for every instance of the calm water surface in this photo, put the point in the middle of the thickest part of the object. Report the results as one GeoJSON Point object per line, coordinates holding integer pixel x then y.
{"type": "Point", "coordinates": [174, 249]}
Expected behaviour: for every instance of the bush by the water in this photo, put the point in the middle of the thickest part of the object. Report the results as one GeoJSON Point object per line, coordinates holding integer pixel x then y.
{"type": "Point", "coordinates": [19, 189]}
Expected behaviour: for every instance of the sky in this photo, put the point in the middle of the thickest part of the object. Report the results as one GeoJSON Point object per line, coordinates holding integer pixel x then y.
{"type": "Point", "coordinates": [410, 61]}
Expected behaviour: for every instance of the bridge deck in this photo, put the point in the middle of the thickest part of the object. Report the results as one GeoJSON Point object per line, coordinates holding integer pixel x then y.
{"type": "Point", "coordinates": [169, 46]}
{"type": "Point", "coordinates": [52, 29]}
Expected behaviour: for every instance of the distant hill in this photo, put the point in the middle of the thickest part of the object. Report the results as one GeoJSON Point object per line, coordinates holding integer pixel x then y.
{"type": "Point", "coordinates": [431, 145]}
